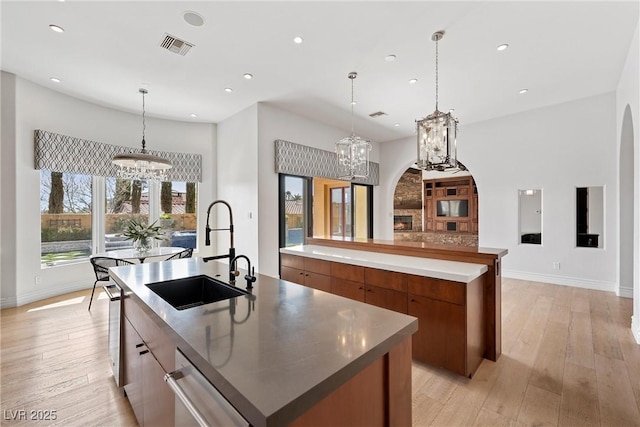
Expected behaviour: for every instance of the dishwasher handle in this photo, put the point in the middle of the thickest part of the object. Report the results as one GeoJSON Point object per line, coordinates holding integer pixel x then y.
{"type": "Point", "coordinates": [113, 296]}
{"type": "Point", "coordinates": [172, 381]}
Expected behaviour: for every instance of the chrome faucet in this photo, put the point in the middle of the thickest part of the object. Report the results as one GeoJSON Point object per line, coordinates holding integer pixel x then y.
{"type": "Point", "coordinates": [207, 238]}
{"type": "Point", "coordinates": [250, 277]}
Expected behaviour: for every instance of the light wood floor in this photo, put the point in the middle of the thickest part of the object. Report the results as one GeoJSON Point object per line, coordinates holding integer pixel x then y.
{"type": "Point", "coordinates": [569, 359]}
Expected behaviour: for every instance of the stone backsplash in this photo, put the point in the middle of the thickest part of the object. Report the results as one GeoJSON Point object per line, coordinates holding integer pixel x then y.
{"type": "Point", "coordinates": [456, 239]}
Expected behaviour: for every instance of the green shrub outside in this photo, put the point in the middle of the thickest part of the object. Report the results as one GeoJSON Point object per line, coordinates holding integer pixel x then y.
{"type": "Point", "coordinates": [64, 234]}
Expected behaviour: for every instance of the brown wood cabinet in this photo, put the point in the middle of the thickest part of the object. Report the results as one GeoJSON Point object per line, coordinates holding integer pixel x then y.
{"type": "Point", "coordinates": [314, 273]}
{"type": "Point", "coordinates": [450, 314]}
{"type": "Point", "coordinates": [450, 329]}
{"type": "Point", "coordinates": [439, 212]}
{"type": "Point", "coordinates": [151, 399]}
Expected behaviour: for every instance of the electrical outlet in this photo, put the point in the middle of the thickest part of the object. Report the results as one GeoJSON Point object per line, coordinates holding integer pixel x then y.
{"type": "Point", "coordinates": [556, 266]}
{"type": "Point", "coordinates": [38, 280]}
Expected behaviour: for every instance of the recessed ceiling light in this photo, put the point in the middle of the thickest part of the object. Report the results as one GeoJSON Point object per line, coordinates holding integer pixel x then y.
{"type": "Point", "coordinates": [193, 18]}
{"type": "Point", "coordinates": [56, 28]}
{"type": "Point", "coordinates": [390, 58]}
{"type": "Point", "coordinates": [228, 89]}
{"type": "Point", "coordinates": [503, 47]}
{"type": "Point", "coordinates": [248, 76]}
{"type": "Point", "coordinates": [298, 40]}
{"type": "Point", "coordinates": [353, 102]}
{"type": "Point", "coordinates": [55, 79]}
{"type": "Point", "coordinates": [396, 124]}
{"type": "Point", "coordinates": [193, 115]}
{"type": "Point", "coordinates": [412, 81]}
{"type": "Point", "coordinates": [524, 90]}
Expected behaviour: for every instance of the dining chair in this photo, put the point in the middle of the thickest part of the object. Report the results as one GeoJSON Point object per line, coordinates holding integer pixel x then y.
{"type": "Point", "coordinates": [182, 254]}
{"type": "Point", "coordinates": [101, 269]}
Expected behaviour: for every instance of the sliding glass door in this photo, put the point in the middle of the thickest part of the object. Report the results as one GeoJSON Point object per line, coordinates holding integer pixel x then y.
{"type": "Point", "coordinates": [294, 209]}
{"type": "Point", "coordinates": [362, 196]}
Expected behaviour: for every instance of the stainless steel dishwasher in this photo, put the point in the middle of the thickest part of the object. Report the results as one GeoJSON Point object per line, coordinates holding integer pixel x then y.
{"type": "Point", "coordinates": [114, 293]}
{"type": "Point", "coordinates": [198, 402]}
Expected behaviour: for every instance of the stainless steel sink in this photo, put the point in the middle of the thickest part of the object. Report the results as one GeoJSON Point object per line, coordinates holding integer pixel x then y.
{"type": "Point", "coordinates": [194, 291]}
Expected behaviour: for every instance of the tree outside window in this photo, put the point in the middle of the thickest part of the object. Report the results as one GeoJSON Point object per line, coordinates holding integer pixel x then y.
{"type": "Point", "coordinates": [65, 216]}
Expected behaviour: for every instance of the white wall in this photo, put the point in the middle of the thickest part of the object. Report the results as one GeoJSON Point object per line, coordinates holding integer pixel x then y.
{"type": "Point", "coordinates": [553, 149]}
{"type": "Point", "coordinates": [237, 176]}
{"type": "Point", "coordinates": [274, 123]}
{"type": "Point", "coordinates": [37, 107]}
{"type": "Point", "coordinates": [628, 95]}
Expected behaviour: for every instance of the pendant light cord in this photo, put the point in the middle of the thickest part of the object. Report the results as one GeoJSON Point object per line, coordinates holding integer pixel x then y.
{"type": "Point", "coordinates": [437, 74]}
{"type": "Point", "coordinates": [352, 128]}
{"type": "Point", "coordinates": [144, 124]}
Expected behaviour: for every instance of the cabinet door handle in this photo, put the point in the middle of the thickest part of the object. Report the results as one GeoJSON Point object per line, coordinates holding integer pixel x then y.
{"type": "Point", "coordinates": [369, 290]}
{"type": "Point", "coordinates": [306, 275]}
{"type": "Point", "coordinates": [144, 352]}
{"type": "Point", "coordinates": [139, 345]}
{"type": "Point", "coordinates": [301, 273]}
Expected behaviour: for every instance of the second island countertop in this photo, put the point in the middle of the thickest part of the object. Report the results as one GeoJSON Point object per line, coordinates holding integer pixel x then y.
{"type": "Point", "coordinates": [439, 269]}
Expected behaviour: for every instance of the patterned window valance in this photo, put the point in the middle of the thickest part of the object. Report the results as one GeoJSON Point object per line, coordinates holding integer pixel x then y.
{"type": "Point", "coordinates": [62, 153]}
{"type": "Point", "coordinates": [296, 159]}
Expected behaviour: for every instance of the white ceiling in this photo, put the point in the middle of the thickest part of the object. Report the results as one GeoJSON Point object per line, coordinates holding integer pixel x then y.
{"type": "Point", "coordinates": [560, 51]}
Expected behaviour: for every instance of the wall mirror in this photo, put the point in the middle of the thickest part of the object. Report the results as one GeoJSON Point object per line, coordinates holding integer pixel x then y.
{"type": "Point", "coordinates": [530, 220]}
{"type": "Point", "coordinates": [590, 217]}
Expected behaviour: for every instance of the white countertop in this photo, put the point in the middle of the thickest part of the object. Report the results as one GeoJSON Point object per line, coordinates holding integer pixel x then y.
{"type": "Point", "coordinates": [438, 269]}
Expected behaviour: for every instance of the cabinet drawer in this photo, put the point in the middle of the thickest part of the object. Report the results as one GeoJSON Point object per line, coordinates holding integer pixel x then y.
{"type": "Point", "coordinates": [292, 275]}
{"type": "Point", "coordinates": [317, 266]}
{"type": "Point", "coordinates": [317, 281]}
{"type": "Point", "coordinates": [386, 298]}
{"type": "Point", "coordinates": [292, 261]}
{"type": "Point", "coordinates": [355, 273]}
{"type": "Point", "coordinates": [385, 279]}
{"type": "Point", "coordinates": [443, 290]}
{"type": "Point", "coordinates": [347, 288]}
{"type": "Point", "coordinates": [156, 340]}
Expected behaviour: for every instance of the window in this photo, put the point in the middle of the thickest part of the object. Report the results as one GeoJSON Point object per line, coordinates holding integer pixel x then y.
{"type": "Point", "coordinates": [293, 197]}
{"type": "Point", "coordinates": [178, 217]}
{"type": "Point", "coordinates": [125, 200]}
{"type": "Point", "coordinates": [65, 216]}
{"type": "Point", "coordinates": [341, 212]}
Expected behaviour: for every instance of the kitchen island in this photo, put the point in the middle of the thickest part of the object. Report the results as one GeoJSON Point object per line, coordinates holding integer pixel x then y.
{"type": "Point", "coordinates": [283, 354]}
{"type": "Point", "coordinates": [454, 292]}
{"type": "Point", "coordinates": [492, 279]}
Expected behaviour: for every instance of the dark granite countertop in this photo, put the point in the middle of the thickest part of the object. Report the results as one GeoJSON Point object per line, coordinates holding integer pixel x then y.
{"type": "Point", "coordinates": [277, 352]}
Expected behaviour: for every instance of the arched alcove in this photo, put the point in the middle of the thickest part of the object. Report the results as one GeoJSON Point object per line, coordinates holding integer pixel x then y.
{"type": "Point", "coordinates": [627, 190]}
{"type": "Point", "coordinates": [436, 207]}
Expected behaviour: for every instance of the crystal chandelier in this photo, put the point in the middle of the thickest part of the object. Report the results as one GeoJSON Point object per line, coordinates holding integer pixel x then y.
{"type": "Point", "coordinates": [141, 166]}
{"type": "Point", "coordinates": [353, 152]}
{"type": "Point", "coordinates": [437, 133]}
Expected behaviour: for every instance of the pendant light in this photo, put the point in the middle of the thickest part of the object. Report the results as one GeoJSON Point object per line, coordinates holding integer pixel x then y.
{"type": "Point", "coordinates": [142, 166]}
{"type": "Point", "coordinates": [437, 133]}
{"type": "Point", "coordinates": [353, 152]}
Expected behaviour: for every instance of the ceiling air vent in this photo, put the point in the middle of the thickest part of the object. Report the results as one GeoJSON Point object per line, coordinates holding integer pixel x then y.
{"type": "Point", "coordinates": [175, 45]}
{"type": "Point", "coordinates": [377, 114]}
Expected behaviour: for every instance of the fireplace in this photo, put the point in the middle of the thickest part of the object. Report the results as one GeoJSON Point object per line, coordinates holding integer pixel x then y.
{"type": "Point", "coordinates": [402, 223]}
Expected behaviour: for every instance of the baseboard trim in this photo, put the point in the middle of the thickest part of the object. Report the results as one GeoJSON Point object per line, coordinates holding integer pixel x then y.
{"type": "Point", "coordinates": [635, 327]}
{"type": "Point", "coordinates": [37, 295]}
{"type": "Point", "coordinates": [561, 280]}
{"type": "Point", "coordinates": [625, 292]}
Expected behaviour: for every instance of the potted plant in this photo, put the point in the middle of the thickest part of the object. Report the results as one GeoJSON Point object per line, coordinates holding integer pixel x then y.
{"type": "Point", "coordinates": [143, 235]}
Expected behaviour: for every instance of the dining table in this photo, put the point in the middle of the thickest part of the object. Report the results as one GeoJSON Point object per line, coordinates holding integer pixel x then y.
{"type": "Point", "coordinates": [131, 254]}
